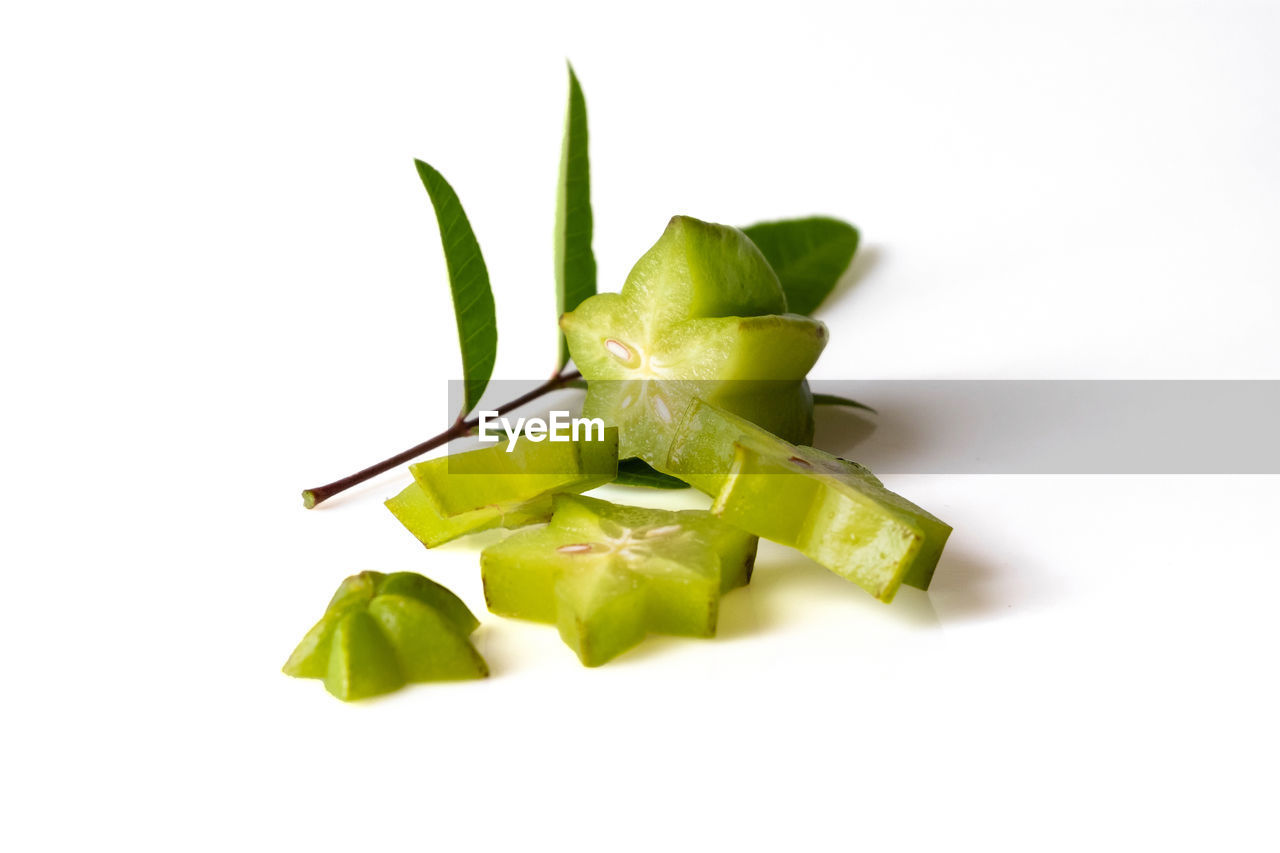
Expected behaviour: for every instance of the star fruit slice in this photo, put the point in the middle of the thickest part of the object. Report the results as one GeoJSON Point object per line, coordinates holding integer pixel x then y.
{"type": "Point", "coordinates": [700, 315]}
{"type": "Point", "coordinates": [382, 631]}
{"type": "Point", "coordinates": [835, 511]}
{"type": "Point", "coordinates": [607, 575]}
{"type": "Point", "coordinates": [452, 496]}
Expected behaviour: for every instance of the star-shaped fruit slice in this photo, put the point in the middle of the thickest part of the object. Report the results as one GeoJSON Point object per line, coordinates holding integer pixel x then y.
{"type": "Point", "coordinates": [607, 575]}
{"type": "Point", "coordinates": [452, 496]}
{"type": "Point", "coordinates": [702, 314]}
{"type": "Point", "coordinates": [835, 511]}
{"type": "Point", "coordinates": [382, 631]}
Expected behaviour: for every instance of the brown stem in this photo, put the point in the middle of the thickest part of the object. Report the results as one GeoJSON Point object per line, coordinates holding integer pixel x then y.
{"type": "Point", "coordinates": [312, 498]}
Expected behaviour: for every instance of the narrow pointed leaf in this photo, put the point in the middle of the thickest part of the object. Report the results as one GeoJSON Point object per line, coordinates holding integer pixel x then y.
{"type": "Point", "coordinates": [469, 282]}
{"type": "Point", "coordinates": [809, 255]}
{"type": "Point", "coordinates": [575, 262]}
{"type": "Point", "coordinates": [836, 400]}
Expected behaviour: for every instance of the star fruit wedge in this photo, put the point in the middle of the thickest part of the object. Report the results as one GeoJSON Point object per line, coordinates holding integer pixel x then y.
{"type": "Point", "coordinates": [383, 631]}
{"type": "Point", "coordinates": [607, 575]}
{"type": "Point", "coordinates": [451, 496]}
{"type": "Point", "coordinates": [701, 314]}
{"type": "Point", "coordinates": [834, 511]}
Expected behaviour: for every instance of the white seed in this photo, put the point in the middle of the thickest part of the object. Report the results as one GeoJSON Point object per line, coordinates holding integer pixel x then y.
{"type": "Point", "coordinates": [619, 350]}
{"type": "Point", "coordinates": [580, 548]}
{"type": "Point", "coordinates": [660, 407]}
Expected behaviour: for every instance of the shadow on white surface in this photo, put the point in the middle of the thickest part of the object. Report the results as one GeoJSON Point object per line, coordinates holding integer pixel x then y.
{"type": "Point", "coordinates": [968, 588]}
{"type": "Point", "coordinates": [839, 430]}
{"type": "Point", "coordinates": [790, 587]}
{"type": "Point", "coordinates": [867, 259]}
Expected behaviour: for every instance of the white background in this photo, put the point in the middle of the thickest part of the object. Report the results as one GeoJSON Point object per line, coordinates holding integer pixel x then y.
{"type": "Point", "coordinates": [222, 283]}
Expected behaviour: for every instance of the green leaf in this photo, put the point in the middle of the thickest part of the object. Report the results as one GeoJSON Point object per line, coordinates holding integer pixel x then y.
{"type": "Point", "coordinates": [469, 282]}
{"type": "Point", "coordinates": [836, 400]}
{"type": "Point", "coordinates": [637, 472]}
{"type": "Point", "coordinates": [575, 262]}
{"type": "Point", "coordinates": [809, 255]}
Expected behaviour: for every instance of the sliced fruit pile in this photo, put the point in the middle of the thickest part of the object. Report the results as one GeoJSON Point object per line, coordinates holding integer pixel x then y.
{"type": "Point", "coordinates": [698, 371]}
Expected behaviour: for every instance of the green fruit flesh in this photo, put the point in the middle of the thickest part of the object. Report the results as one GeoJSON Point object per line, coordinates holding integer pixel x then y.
{"type": "Point", "coordinates": [482, 489]}
{"type": "Point", "coordinates": [701, 451]}
{"type": "Point", "coordinates": [832, 511]}
{"type": "Point", "coordinates": [428, 646]}
{"type": "Point", "coordinates": [382, 631]}
{"type": "Point", "coordinates": [835, 511]}
{"type": "Point", "coordinates": [607, 575]}
{"type": "Point", "coordinates": [701, 315]}
{"type": "Point", "coordinates": [700, 269]}
{"type": "Point", "coordinates": [361, 661]}
{"type": "Point", "coordinates": [464, 482]}
{"type": "Point", "coordinates": [600, 614]}
{"type": "Point", "coordinates": [424, 519]}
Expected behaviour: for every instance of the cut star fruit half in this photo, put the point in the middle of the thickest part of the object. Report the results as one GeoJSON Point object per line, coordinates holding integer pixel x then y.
{"type": "Point", "coordinates": [452, 496]}
{"type": "Point", "coordinates": [702, 314]}
{"type": "Point", "coordinates": [834, 511]}
{"type": "Point", "coordinates": [607, 575]}
{"type": "Point", "coordinates": [382, 631]}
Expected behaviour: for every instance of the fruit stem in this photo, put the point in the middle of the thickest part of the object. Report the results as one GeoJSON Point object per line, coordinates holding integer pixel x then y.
{"type": "Point", "coordinates": [311, 498]}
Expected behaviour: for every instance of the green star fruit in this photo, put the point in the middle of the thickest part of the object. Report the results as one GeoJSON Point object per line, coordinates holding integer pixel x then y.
{"type": "Point", "coordinates": [607, 575]}
{"type": "Point", "coordinates": [834, 511]}
{"type": "Point", "coordinates": [701, 315]}
{"type": "Point", "coordinates": [383, 631]}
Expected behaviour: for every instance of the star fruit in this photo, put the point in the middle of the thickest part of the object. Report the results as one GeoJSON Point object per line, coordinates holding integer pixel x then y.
{"type": "Point", "coordinates": [452, 496]}
{"type": "Point", "coordinates": [701, 314]}
{"type": "Point", "coordinates": [835, 511]}
{"type": "Point", "coordinates": [382, 631]}
{"type": "Point", "coordinates": [607, 575]}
